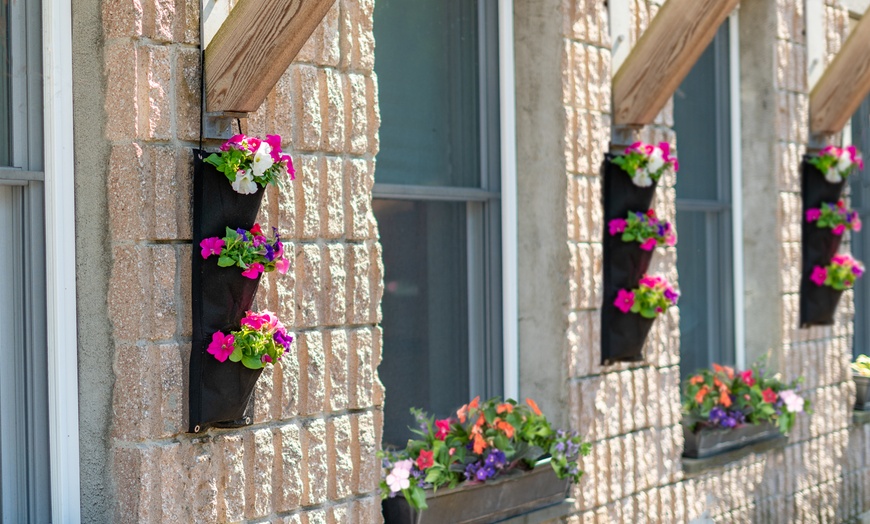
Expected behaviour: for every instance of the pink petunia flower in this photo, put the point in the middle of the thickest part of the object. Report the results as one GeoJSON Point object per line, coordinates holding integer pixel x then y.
{"type": "Point", "coordinates": [813, 214]}
{"type": "Point", "coordinates": [839, 229]}
{"type": "Point", "coordinates": [649, 244]}
{"type": "Point", "coordinates": [211, 246]}
{"type": "Point", "coordinates": [253, 270]}
{"type": "Point", "coordinates": [624, 300]}
{"type": "Point", "coordinates": [746, 377]}
{"type": "Point", "coordinates": [819, 275]}
{"type": "Point", "coordinates": [282, 265]}
{"type": "Point", "coordinates": [221, 346]}
{"type": "Point", "coordinates": [617, 225]}
{"type": "Point", "coordinates": [443, 428]}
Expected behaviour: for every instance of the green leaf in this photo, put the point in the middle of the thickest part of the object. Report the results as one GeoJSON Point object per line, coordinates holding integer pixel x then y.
{"type": "Point", "coordinates": [236, 355]}
{"type": "Point", "coordinates": [416, 497]}
{"type": "Point", "coordinates": [225, 261]}
{"type": "Point", "coordinates": [215, 160]}
{"type": "Point", "coordinates": [252, 362]}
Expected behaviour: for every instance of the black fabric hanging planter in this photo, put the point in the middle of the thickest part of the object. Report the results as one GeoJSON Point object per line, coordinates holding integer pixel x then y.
{"type": "Point", "coordinates": [622, 334]}
{"type": "Point", "coordinates": [818, 246]}
{"type": "Point", "coordinates": [221, 393]}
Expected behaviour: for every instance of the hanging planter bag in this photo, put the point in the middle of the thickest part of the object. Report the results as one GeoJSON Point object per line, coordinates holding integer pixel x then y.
{"type": "Point", "coordinates": [622, 334]}
{"type": "Point", "coordinates": [818, 245]}
{"type": "Point", "coordinates": [221, 393]}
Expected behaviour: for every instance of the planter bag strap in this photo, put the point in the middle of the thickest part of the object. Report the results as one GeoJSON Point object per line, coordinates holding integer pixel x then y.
{"type": "Point", "coordinates": [818, 246]}
{"type": "Point", "coordinates": [220, 393]}
{"type": "Point", "coordinates": [622, 334]}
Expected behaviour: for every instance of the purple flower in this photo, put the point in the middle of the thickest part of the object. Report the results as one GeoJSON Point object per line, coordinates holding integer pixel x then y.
{"type": "Point", "coordinates": [496, 458]}
{"type": "Point", "coordinates": [728, 422]}
{"type": "Point", "coordinates": [242, 233]}
{"type": "Point", "coordinates": [270, 253]}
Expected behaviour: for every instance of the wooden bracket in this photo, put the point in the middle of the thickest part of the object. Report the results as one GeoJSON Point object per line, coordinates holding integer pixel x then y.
{"type": "Point", "coordinates": [844, 84]}
{"type": "Point", "coordinates": [252, 49]}
{"type": "Point", "coordinates": [663, 56]}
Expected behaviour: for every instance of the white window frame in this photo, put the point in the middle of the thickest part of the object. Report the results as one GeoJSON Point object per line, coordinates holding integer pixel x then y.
{"type": "Point", "coordinates": [737, 193]}
{"type": "Point", "coordinates": [509, 239]}
{"type": "Point", "coordinates": [60, 236]}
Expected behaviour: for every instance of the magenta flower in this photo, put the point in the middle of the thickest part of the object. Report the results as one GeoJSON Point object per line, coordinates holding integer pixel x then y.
{"type": "Point", "coordinates": [649, 244]}
{"type": "Point", "coordinates": [813, 214]}
{"type": "Point", "coordinates": [856, 223]}
{"type": "Point", "coordinates": [617, 225]}
{"type": "Point", "coordinates": [254, 320]}
{"type": "Point", "coordinates": [819, 275]}
{"type": "Point", "coordinates": [624, 300]}
{"type": "Point", "coordinates": [266, 359]}
{"type": "Point", "coordinates": [211, 246]}
{"type": "Point", "coordinates": [839, 229]}
{"type": "Point", "coordinates": [221, 346]}
{"type": "Point", "coordinates": [253, 270]}
{"type": "Point", "coordinates": [858, 270]}
{"type": "Point", "coordinates": [443, 428]}
{"type": "Point", "coordinates": [233, 142]}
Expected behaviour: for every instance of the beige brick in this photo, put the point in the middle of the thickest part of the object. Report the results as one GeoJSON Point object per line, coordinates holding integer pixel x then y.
{"type": "Point", "coordinates": [308, 284]}
{"type": "Point", "coordinates": [307, 82]}
{"type": "Point", "coordinates": [290, 469]}
{"type": "Point", "coordinates": [359, 179]}
{"type": "Point", "coordinates": [136, 474]}
{"type": "Point", "coordinates": [122, 18]}
{"type": "Point", "coordinates": [332, 203]}
{"type": "Point", "coordinates": [334, 131]}
{"type": "Point", "coordinates": [155, 79]}
{"type": "Point", "coordinates": [231, 501]}
{"type": "Point", "coordinates": [122, 104]}
{"type": "Point", "coordinates": [187, 93]}
{"type": "Point", "coordinates": [357, 128]}
{"type": "Point", "coordinates": [312, 364]}
{"type": "Point", "coordinates": [341, 465]}
{"type": "Point", "coordinates": [308, 199]}
{"type": "Point", "coordinates": [359, 285]}
{"type": "Point", "coordinates": [314, 454]}
{"type": "Point", "coordinates": [337, 364]}
{"type": "Point", "coordinates": [335, 280]}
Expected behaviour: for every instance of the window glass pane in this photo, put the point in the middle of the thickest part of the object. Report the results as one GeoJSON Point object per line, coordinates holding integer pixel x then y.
{"type": "Point", "coordinates": [704, 250]}
{"type": "Point", "coordinates": [860, 201]}
{"type": "Point", "coordinates": [696, 115]}
{"type": "Point", "coordinates": [5, 130]}
{"type": "Point", "coordinates": [427, 66]}
{"type": "Point", "coordinates": [425, 310]}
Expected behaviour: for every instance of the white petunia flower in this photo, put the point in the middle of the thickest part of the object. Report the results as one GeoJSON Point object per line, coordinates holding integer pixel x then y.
{"type": "Point", "coordinates": [844, 162]}
{"type": "Point", "coordinates": [833, 176]}
{"type": "Point", "coordinates": [244, 183]}
{"type": "Point", "coordinates": [642, 178]}
{"type": "Point", "coordinates": [262, 159]}
{"type": "Point", "coordinates": [656, 160]}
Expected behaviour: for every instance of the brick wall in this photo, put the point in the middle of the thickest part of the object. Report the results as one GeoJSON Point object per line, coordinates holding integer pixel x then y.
{"type": "Point", "coordinates": [309, 457]}
{"type": "Point", "coordinates": [632, 412]}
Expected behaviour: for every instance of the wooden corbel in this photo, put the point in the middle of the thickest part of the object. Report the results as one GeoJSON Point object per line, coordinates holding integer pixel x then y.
{"type": "Point", "coordinates": [252, 49]}
{"type": "Point", "coordinates": [663, 56]}
{"type": "Point", "coordinates": [844, 84]}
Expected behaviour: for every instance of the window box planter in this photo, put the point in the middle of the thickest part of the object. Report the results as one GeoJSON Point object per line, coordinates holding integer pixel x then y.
{"type": "Point", "coordinates": [708, 442]}
{"type": "Point", "coordinates": [513, 494]}
{"type": "Point", "coordinates": [862, 392]}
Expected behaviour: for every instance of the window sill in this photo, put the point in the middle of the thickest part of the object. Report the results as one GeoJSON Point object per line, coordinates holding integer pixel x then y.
{"type": "Point", "coordinates": [695, 467]}
{"type": "Point", "coordinates": [546, 514]}
{"type": "Point", "coordinates": [859, 418]}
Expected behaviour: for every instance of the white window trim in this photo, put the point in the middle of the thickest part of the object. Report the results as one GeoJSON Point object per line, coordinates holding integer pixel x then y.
{"type": "Point", "coordinates": [60, 261]}
{"type": "Point", "coordinates": [737, 193]}
{"type": "Point", "coordinates": [510, 271]}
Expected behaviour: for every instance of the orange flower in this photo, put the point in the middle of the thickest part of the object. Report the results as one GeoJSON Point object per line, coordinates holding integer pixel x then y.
{"type": "Point", "coordinates": [480, 420]}
{"type": "Point", "coordinates": [697, 379]}
{"type": "Point", "coordinates": [462, 413]}
{"type": "Point", "coordinates": [725, 400]}
{"type": "Point", "coordinates": [534, 406]}
{"type": "Point", "coordinates": [479, 444]}
{"type": "Point", "coordinates": [504, 426]}
{"type": "Point", "coordinates": [699, 396]}
{"type": "Point", "coordinates": [729, 372]}
{"type": "Point", "coordinates": [506, 407]}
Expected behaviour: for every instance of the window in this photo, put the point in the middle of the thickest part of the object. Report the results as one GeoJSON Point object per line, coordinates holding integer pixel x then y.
{"type": "Point", "coordinates": [437, 200]}
{"type": "Point", "coordinates": [860, 202]}
{"type": "Point", "coordinates": [24, 433]}
{"type": "Point", "coordinates": [705, 252]}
